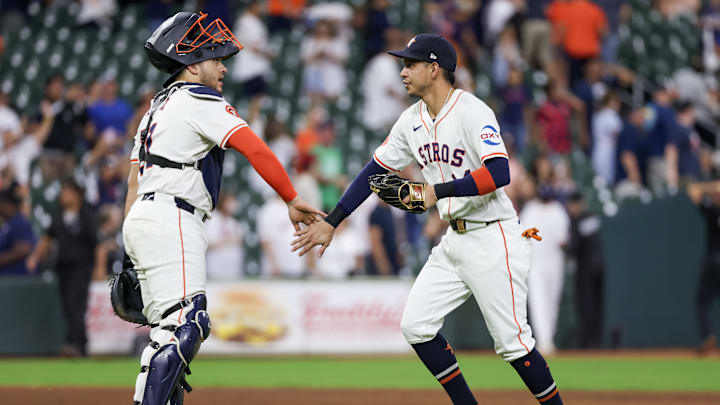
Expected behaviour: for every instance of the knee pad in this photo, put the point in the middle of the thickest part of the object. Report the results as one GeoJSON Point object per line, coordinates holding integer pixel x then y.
{"type": "Point", "coordinates": [169, 363]}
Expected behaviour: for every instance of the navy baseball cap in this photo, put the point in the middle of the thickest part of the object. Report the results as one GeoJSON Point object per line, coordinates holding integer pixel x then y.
{"type": "Point", "coordinates": [430, 48]}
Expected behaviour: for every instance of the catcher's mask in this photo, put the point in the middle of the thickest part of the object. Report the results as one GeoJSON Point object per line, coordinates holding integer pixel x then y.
{"type": "Point", "coordinates": [183, 40]}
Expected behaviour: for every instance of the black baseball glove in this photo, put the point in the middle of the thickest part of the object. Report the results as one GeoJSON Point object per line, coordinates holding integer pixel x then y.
{"type": "Point", "coordinates": [394, 189]}
{"type": "Point", "coordinates": [125, 295]}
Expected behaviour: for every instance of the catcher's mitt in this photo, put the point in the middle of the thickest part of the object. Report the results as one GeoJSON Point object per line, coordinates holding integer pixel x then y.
{"type": "Point", "coordinates": [125, 295]}
{"type": "Point", "coordinates": [393, 189]}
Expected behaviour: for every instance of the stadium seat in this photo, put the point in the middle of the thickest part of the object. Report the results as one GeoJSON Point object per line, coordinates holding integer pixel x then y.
{"type": "Point", "coordinates": [86, 54]}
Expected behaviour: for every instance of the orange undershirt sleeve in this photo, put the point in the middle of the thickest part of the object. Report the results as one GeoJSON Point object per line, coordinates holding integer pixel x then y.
{"type": "Point", "coordinates": [263, 160]}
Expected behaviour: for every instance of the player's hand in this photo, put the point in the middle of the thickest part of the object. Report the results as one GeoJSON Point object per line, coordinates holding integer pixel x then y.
{"type": "Point", "coordinates": [319, 233]}
{"type": "Point", "coordinates": [430, 197]}
{"type": "Point", "coordinates": [300, 211]}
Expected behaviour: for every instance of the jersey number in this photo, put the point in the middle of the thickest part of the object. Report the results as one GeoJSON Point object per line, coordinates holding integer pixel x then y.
{"type": "Point", "coordinates": [148, 143]}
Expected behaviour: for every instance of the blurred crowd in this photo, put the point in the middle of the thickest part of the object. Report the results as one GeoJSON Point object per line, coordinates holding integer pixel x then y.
{"type": "Point", "coordinates": [560, 93]}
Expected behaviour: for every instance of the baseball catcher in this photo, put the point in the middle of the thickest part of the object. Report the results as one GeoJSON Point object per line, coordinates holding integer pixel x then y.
{"type": "Point", "coordinates": [173, 187]}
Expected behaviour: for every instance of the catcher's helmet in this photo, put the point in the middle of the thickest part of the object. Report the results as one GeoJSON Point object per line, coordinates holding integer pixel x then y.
{"type": "Point", "coordinates": [182, 40]}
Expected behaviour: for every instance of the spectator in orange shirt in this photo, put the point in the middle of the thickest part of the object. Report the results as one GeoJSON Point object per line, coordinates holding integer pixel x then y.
{"type": "Point", "coordinates": [307, 138]}
{"type": "Point", "coordinates": [578, 26]}
{"type": "Point", "coordinates": [282, 14]}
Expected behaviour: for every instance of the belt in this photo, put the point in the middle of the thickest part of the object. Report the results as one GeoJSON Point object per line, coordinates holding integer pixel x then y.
{"type": "Point", "coordinates": [179, 202]}
{"type": "Point", "coordinates": [462, 226]}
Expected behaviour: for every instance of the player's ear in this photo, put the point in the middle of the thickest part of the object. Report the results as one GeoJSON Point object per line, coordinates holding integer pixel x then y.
{"type": "Point", "coordinates": [194, 68]}
{"type": "Point", "coordinates": [434, 69]}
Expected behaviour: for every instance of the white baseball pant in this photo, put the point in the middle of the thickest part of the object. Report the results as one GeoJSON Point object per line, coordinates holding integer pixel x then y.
{"type": "Point", "coordinates": [492, 263]}
{"type": "Point", "coordinates": [167, 246]}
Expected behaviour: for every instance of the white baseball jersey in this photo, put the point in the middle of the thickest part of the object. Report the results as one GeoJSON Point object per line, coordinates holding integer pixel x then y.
{"type": "Point", "coordinates": [191, 123]}
{"type": "Point", "coordinates": [463, 135]}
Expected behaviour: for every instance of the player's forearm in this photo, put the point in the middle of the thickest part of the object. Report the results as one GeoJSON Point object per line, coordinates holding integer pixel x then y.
{"type": "Point", "coordinates": [356, 193]}
{"type": "Point", "coordinates": [495, 174]}
{"type": "Point", "coordinates": [264, 161]}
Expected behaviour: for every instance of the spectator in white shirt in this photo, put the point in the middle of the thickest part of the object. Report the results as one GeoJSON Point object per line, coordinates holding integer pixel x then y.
{"type": "Point", "coordinates": [276, 234]}
{"type": "Point", "coordinates": [96, 13]}
{"type": "Point", "coordinates": [253, 63]}
{"type": "Point", "coordinates": [9, 120]}
{"type": "Point", "coordinates": [18, 151]}
{"type": "Point", "coordinates": [347, 255]}
{"type": "Point", "coordinates": [606, 126]}
{"type": "Point", "coordinates": [384, 93]}
{"type": "Point", "coordinates": [277, 137]}
{"type": "Point", "coordinates": [547, 275]}
{"type": "Point", "coordinates": [225, 241]}
{"type": "Point", "coordinates": [324, 54]}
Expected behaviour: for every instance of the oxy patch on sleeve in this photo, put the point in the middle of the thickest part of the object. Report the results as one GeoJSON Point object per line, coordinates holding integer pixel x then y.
{"type": "Point", "coordinates": [490, 135]}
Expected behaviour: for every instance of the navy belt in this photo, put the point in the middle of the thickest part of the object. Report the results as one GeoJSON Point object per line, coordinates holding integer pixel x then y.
{"type": "Point", "coordinates": [180, 203]}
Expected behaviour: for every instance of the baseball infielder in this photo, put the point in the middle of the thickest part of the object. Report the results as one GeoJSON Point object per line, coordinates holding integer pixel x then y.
{"type": "Point", "coordinates": [455, 139]}
{"type": "Point", "coordinates": [173, 186]}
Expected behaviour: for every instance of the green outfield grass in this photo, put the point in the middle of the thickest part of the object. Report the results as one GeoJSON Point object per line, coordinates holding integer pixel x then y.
{"type": "Point", "coordinates": [482, 371]}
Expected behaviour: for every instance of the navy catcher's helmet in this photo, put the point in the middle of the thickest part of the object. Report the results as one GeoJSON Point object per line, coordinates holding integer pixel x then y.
{"type": "Point", "coordinates": [182, 40]}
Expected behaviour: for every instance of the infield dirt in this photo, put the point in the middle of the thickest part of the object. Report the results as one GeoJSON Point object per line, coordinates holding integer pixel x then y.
{"type": "Point", "coordinates": [249, 396]}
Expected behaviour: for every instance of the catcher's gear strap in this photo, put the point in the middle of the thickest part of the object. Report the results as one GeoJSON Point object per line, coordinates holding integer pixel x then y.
{"type": "Point", "coordinates": [263, 161]}
{"type": "Point", "coordinates": [180, 305]}
{"type": "Point", "coordinates": [165, 372]}
{"type": "Point", "coordinates": [163, 162]}
{"type": "Point", "coordinates": [157, 101]}
{"type": "Point", "coordinates": [160, 98]}
{"type": "Point", "coordinates": [356, 193]}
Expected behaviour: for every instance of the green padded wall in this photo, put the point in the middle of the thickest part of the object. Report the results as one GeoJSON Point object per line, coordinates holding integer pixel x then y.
{"type": "Point", "coordinates": [33, 320]}
{"type": "Point", "coordinates": [654, 253]}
